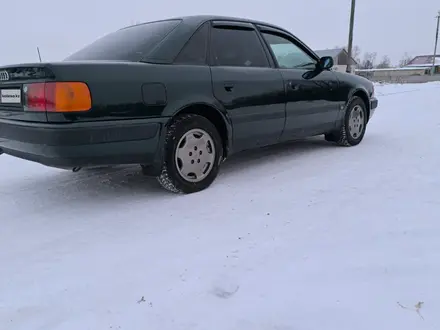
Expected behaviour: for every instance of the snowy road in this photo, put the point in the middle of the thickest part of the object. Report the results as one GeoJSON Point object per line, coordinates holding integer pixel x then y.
{"type": "Point", "coordinates": [305, 236]}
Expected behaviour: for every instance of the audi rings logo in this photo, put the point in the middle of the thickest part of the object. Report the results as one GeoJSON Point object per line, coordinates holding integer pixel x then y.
{"type": "Point", "coordinates": [4, 75]}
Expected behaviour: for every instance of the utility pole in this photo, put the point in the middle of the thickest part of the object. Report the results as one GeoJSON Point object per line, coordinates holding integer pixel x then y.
{"type": "Point", "coordinates": [350, 35]}
{"type": "Point", "coordinates": [435, 47]}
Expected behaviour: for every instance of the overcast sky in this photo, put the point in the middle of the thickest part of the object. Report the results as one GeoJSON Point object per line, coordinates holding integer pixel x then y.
{"type": "Point", "coordinates": [388, 27]}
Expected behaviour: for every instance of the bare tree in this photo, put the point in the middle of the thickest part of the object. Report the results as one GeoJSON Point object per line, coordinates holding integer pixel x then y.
{"type": "Point", "coordinates": [405, 60]}
{"type": "Point", "coordinates": [368, 61]}
{"type": "Point", "coordinates": [384, 63]}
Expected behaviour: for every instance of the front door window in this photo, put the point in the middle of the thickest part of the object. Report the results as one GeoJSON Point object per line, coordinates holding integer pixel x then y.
{"type": "Point", "coordinates": [287, 54]}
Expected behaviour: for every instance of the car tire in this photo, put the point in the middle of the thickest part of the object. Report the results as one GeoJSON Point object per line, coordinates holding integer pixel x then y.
{"type": "Point", "coordinates": [353, 128]}
{"type": "Point", "coordinates": [192, 144]}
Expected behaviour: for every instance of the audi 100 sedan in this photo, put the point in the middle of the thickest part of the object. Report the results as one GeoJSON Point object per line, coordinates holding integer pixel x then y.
{"type": "Point", "coordinates": [179, 96]}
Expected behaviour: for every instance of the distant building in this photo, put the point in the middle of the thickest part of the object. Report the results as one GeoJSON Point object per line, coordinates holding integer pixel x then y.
{"type": "Point", "coordinates": [393, 74]}
{"type": "Point", "coordinates": [340, 58]}
{"type": "Point", "coordinates": [417, 70]}
{"type": "Point", "coordinates": [425, 61]}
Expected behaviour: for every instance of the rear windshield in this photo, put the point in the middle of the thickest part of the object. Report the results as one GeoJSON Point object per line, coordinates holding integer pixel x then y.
{"type": "Point", "coordinates": [128, 44]}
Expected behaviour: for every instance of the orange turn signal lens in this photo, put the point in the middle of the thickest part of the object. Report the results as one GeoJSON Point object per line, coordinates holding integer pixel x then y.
{"type": "Point", "coordinates": [68, 96]}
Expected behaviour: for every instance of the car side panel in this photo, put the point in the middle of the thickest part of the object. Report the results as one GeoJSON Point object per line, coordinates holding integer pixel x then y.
{"type": "Point", "coordinates": [254, 101]}
{"type": "Point", "coordinates": [136, 90]}
{"type": "Point", "coordinates": [311, 104]}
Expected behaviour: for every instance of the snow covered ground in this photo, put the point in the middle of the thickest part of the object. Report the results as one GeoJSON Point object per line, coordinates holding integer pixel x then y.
{"type": "Point", "coordinates": [305, 236]}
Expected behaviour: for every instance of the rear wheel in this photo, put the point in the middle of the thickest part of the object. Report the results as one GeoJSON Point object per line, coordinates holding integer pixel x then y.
{"type": "Point", "coordinates": [193, 152]}
{"type": "Point", "coordinates": [353, 128]}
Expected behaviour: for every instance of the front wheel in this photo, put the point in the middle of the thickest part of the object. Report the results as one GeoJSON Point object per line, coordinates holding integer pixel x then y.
{"type": "Point", "coordinates": [353, 127]}
{"type": "Point", "coordinates": [193, 152]}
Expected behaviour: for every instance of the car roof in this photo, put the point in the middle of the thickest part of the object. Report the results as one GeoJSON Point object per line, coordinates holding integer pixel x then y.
{"type": "Point", "coordinates": [196, 20]}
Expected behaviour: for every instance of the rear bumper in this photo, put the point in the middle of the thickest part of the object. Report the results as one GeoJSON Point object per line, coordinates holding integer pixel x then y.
{"type": "Point", "coordinates": [373, 105]}
{"type": "Point", "coordinates": [83, 144]}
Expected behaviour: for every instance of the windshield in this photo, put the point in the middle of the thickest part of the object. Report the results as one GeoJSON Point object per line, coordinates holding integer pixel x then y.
{"type": "Point", "coordinates": [128, 44]}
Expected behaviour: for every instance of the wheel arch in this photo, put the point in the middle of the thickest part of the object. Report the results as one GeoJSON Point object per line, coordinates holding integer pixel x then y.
{"type": "Point", "coordinates": [211, 112]}
{"type": "Point", "coordinates": [363, 94]}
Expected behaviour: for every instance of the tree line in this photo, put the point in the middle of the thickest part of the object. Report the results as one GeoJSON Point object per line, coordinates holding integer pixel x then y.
{"type": "Point", "coordinates": [369, 60]}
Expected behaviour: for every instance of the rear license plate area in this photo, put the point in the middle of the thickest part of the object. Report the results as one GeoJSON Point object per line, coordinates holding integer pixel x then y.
{"type": "Point", "coordinates": [10, 96]}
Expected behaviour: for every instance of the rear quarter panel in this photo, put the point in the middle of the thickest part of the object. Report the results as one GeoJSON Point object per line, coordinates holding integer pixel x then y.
{"type": "Point", "coordinates": [121, 90]}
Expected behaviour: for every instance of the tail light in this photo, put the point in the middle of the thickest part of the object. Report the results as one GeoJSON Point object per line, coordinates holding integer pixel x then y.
{"type": "Point", "coordinates": [57, 97]}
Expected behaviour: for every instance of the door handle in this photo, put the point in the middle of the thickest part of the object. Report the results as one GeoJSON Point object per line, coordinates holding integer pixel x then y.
{"type": "Point", "coordinates": [229, 87]}
{"type": "Point", "coordinates": [293, 86]}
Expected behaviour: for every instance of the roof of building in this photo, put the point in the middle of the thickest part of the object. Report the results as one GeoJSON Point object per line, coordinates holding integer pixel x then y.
{"type": "Point", "coordinates": [335, 52]}
{"type": "Point", "coordinates": [329, 52]}
{"type": "Point", "coordinates": [424, 60]}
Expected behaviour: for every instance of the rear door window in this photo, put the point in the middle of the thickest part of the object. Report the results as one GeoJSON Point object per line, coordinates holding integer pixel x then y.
{"type": "Point", "coordinates": [237, 47]}
{"type": "Point", "coordinates": [128, 44]}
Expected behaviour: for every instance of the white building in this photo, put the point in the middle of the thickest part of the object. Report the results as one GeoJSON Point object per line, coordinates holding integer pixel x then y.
{"type": "Point", "coordinates": [425, 62]}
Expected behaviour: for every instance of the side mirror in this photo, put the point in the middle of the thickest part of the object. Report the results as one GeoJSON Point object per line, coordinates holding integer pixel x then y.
{"type": "Point", "coordinates": [326, 62]}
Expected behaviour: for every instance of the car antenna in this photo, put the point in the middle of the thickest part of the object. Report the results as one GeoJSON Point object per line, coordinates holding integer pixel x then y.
{"type": "Point", "coordinates": [39, 55]}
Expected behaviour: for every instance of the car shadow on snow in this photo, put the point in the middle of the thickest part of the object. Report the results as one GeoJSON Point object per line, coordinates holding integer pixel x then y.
{"type": "Point", "coordinates": [252, 159]}
{"type": "Point", "coordinates": [119, 183]}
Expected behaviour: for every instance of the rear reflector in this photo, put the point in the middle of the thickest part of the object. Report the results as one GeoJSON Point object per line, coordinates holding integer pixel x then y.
{"type": "Point", "coordinates": [57, 97]}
